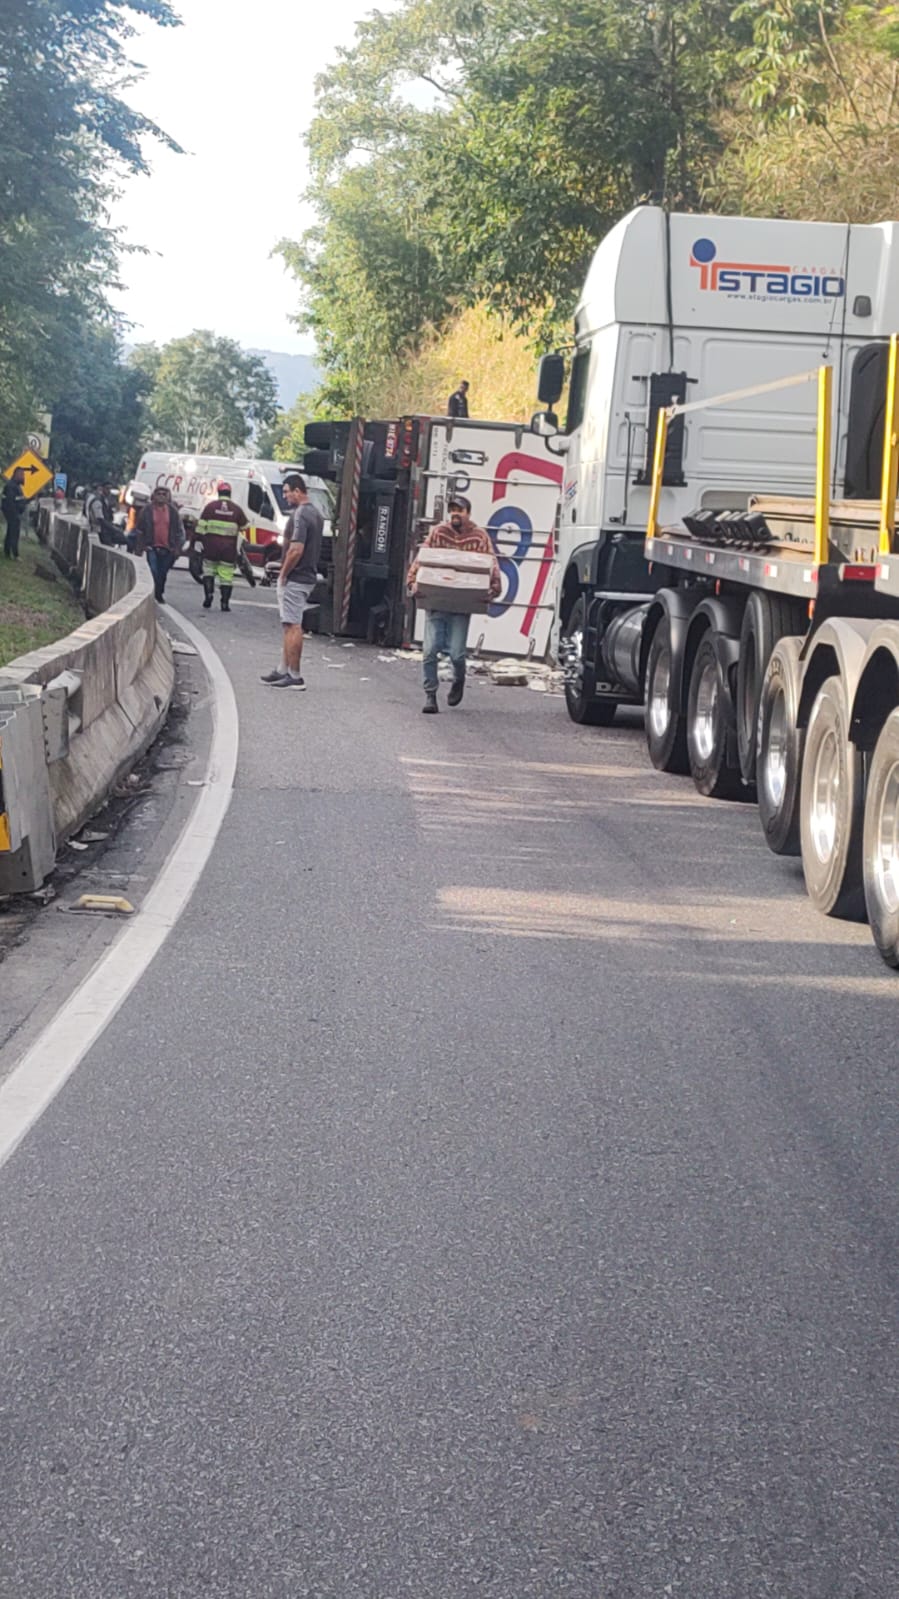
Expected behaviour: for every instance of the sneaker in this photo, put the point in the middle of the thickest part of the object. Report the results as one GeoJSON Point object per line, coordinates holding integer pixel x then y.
{"type": "Point", "coordinates": [430, 706]}
{"type": "Point", "coordinates": [273, 677]}
{"type": "Point", "coordinates": [284, 680]}
{"type": "Point", "coordinates": [454, 697]}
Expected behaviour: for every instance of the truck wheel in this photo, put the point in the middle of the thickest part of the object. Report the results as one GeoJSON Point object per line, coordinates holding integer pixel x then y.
{"type": "Point", "coordinates": [881, 842]}
{"type": "Point", "coordinates": [582, 706]}
{"type": "Point", "coordinates": [707, 726]}
{"type": "Point", "coordinates": [831, 801]}
{"type": "Point", "coordinates": [767, 619]}
{"type": "Point", "coordinates": [666, 733]}
{"type": "Point", "coordinates": [779, 749]}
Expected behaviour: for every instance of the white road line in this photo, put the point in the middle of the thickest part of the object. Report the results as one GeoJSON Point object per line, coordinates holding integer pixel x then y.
{"type": "Point", "coordinates": [37, 1078]}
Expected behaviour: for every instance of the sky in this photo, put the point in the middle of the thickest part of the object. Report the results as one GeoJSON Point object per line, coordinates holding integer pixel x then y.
{"type": "Point", "coordinates": [234, 87]}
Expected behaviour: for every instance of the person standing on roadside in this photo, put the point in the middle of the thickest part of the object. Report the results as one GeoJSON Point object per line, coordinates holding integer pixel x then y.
{"type": "Point", "coordinates": [219, 529]}
{"type": "Point", "coordinates": [446, 632]}
{"type": "Point", "coordinates": [13, 503]}
{"type": "Point", "coordinates": [160, 536]}
{"type": "Point", "coordinates": [457, 404]}
{"type": "Point", "coordinates": [296, 579]}
{"type": "Point", "coordinates": [99, 511]}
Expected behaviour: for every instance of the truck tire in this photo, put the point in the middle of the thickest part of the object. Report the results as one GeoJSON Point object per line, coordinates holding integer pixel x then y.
{"type": "Point", "coordinates": [831, 806]}
{"type": "Point", "coordinates": [707, 725]}
{"type": "Point", "coordinates": [583, 707]}
{"type": "Point", "coordinates": [880, 848]}
{"type": "Point", "coordinates": [317, 463]}
{"type": "Point", "coordinates": [318, 435]}
{"type": "Point", "coordinates": [779, 749]}
{"type": "Point", "coordinates": [767, 619]}
{"type": "Point", "coordinates": [666, 729]}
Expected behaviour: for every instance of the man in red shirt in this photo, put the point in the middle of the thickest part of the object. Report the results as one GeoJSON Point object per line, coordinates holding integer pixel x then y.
{"type": "Point", "coordinates": [161, 535]}
{"type": "Point", "coordinates": [446, 632]}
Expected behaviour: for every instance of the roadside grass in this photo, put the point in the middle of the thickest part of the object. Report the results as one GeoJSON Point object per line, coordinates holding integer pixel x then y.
{"type": "Point", "coordinates": [34, 610]}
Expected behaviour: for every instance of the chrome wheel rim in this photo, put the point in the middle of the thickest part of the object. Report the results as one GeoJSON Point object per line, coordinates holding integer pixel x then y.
{"type": "Point", "coordinates": [825, 797]}
{"type": "Point", "coordinates": [775, 763]}
{"type": "Point", "coordinates": [705, 715]}
{"type": "Point", "coordinates": [659, 701]}
{"type": "Point", "coordinates": [886, 843]}
{"type": "Point", "coordinates": [574, 661]}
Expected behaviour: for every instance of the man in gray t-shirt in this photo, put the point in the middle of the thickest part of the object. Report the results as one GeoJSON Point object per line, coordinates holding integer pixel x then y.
{"type": "Point", "coordinates": [304, 527]}
{"type": "Point", "coordinates": [297, 578]}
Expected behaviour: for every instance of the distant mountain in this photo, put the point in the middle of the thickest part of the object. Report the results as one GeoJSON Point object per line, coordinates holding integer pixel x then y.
{"type": "Point", "coordinates": [294, 374]}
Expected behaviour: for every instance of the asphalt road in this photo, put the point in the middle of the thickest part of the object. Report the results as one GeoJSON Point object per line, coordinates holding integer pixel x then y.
{"type": "Point", "coordinates": [489, 1190]}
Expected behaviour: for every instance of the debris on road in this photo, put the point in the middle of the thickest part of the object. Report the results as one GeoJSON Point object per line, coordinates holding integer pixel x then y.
{"type": "Point", "coordinates": [114, 903]}
{"type": "Point", "coordinates": [179, 647]}
{"type": "Point", "coordinates": [509, 673]}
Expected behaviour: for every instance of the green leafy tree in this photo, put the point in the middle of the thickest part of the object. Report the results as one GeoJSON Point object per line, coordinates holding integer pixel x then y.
{"type": "Point", "coordinates": [812, 131]}
{"type": "Point", "coordinates": [282, 439]}
{"type": "Point", "coordinates": [467, 151]}
{"type": "Point", "coordinates": [206, 394]}
{"type": "Point", "coordinates": [98, 419]}
{"type": "Point", "coordinates": [67, 137]}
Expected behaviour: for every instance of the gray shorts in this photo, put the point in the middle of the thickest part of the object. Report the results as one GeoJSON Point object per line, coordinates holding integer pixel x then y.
{"type": "Point", "coordinates": [293, 602]}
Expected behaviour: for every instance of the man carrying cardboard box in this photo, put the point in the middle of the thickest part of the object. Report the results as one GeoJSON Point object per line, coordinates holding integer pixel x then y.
{"type": "Point", "coordinates": [450, 590]}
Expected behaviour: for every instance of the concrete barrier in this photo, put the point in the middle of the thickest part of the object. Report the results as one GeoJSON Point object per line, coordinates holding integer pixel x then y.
{"type": "Point", "coordinates": [124, 662]}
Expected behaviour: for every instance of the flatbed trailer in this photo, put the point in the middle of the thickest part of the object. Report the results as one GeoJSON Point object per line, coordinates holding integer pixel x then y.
{"type": "Point", "coordinates": [774, 670]}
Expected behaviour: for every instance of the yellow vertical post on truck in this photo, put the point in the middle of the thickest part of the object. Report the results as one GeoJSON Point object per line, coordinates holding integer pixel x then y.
{"type": "Point", "coordinates": [658, 468]}
{"type": "Point", "coordinates": [5, 833]}
{"type": "Point", "coordinates": [890, 475]}
{"type": "Point", "coordinates": [822, 465]}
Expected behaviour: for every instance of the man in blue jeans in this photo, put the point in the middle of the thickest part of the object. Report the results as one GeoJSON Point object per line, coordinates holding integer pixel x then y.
{"type": "Point", "coordinates": [160, 535]}
{"type": "Point", "coordinates": [446, 632]}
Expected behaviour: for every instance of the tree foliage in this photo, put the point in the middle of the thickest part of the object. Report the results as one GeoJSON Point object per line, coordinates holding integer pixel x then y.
{"type": "Point", "coordinates": [98, 419]}
{"type": "Point", "coordinates": [282, 439]}
{"type": "Point", "coordinates": [815, 133]}
{"type": "Point", "coordinates": [206, 394]}
{"type": "Point", "coordinates": [67, 137]}
{"type": "Point", "coordinates": [475, 151]}
{"type": "Point", "coordinates": [472, 151]}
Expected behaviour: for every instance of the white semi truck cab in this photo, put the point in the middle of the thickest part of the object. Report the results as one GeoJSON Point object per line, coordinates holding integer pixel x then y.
{"type": "Point", "coordinates": [679, 308]}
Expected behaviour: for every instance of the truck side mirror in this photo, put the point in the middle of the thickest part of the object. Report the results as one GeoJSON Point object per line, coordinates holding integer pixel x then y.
{"type": "Point", "coordinates": [551, 378]}
{"type": "Point", "coordinates": [545, 424]}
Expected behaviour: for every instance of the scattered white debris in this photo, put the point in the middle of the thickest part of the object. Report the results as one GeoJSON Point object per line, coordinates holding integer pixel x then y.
{"type": "Point", "coordinates": [74, 844]}
{"type": "Point", "coordinates": [180, 648]}
{"type": "Point", "coordinates": [509, 673]}
{"type": "Point", "coordinates": [89, 837]}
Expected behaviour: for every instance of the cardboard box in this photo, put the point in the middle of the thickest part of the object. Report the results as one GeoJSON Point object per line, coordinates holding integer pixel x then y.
{"type": "Point", "coordinates": [453, 580]}
{"type": "Point", "coordinates": [444, 589]}
{"type": "Point", "coordinates": [455, 560]}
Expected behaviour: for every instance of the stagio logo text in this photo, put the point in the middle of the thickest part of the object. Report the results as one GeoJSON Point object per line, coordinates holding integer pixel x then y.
{"type": "Point", "coordinates": [758, 280]}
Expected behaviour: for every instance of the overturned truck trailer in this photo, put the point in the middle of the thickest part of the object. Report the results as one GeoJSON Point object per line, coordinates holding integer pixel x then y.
{"type": "Point", "coordinates": [394, 479]}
